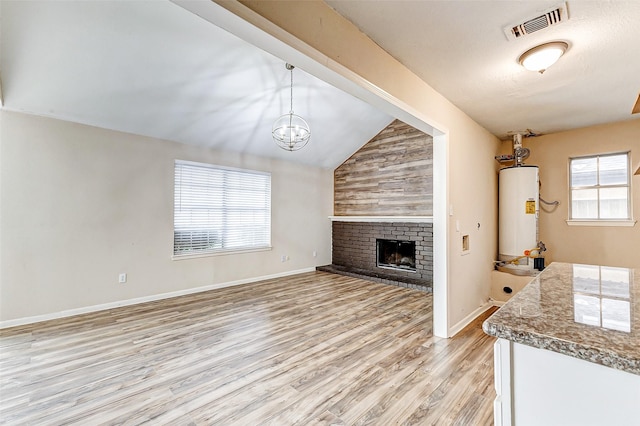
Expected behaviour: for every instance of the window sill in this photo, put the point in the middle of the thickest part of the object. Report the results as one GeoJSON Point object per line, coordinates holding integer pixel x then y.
{"type": "Point", "coordinates": [218, 253]}
{"type": "Point", "coordinates": [601, 222]}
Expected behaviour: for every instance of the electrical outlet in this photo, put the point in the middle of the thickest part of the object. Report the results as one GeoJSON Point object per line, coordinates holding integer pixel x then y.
{"type": "Point", "coordinates": [283, 258]}
{"type": "Point", "coordinates": [122, 278]}
{"type": "Point", "coordinates": [315, 253]}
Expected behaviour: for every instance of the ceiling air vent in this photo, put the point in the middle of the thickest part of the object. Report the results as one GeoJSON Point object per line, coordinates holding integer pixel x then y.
{"type": "Point", "coordinates": [551, 17]}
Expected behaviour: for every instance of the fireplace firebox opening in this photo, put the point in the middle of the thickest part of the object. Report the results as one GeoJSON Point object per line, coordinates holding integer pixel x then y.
{"type": "Point", "coordinates": [396, 254]}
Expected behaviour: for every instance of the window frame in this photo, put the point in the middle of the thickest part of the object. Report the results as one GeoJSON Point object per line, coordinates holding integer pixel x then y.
{"type": "Point", "coordinates": [220, 251]}
{"type": "Point", "coordinates": [628, 221]}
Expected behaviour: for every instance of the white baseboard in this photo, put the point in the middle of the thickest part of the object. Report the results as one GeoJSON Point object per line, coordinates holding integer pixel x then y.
{"type": "Point", "coordinates": [137, 300]}
{"type": "Point", "coordinates": [468, 319]}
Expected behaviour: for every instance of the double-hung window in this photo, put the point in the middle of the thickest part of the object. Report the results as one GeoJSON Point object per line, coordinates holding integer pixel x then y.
{"type": "Point", "coordinates": [220, 210]}
{"type": "Point", "coordinates": [600, 188]}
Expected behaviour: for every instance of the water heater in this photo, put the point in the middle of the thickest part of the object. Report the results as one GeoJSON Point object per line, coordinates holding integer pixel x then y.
{"type": "Point", "coordinates": [518, 212]}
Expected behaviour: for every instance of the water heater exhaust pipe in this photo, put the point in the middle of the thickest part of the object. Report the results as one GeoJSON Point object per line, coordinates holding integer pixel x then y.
{"type": "Point", "coordinates": [519, 153]}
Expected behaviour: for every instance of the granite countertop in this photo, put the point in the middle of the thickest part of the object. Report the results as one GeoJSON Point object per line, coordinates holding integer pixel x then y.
{"type": "Point", "coordinates": [588, 312]}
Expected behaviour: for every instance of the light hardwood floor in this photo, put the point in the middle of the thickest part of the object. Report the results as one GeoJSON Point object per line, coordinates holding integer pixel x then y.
{"type": "Point", "coordinates": [310, 349]}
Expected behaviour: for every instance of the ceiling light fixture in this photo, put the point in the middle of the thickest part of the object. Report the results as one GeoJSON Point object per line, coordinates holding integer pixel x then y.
{"type": "Point", "coordinates": [290, 132]}
{"type": "Point", "coordinates": [542, 57]}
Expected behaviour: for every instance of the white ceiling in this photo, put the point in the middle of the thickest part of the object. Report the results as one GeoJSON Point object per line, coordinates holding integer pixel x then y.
{"type": "Point", "coordinates": [460, 49]}
{"type": "Point", "coordinates": [153, 68]}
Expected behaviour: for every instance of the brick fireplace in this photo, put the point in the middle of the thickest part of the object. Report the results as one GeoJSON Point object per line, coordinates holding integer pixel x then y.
{"type": "Point", "coordinates": [355, 252]}
{"type": "Point", "coordinates": [384, 191]}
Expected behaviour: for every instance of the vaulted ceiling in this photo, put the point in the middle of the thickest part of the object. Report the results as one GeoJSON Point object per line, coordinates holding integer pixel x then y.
{"type": "Point", "coordinates": [153, 68]}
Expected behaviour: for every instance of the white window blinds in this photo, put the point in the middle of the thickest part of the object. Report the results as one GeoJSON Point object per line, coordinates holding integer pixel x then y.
{"type": "Point", "coordinates": [218, 209]}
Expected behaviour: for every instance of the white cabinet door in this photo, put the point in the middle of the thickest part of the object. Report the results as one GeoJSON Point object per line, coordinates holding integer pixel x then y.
{"type": "Point", "coordinates": [551, 389]}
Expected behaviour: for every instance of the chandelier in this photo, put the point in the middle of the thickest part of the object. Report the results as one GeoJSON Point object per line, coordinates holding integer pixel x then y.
{"type": "Point", "coordinates": [290, 131]}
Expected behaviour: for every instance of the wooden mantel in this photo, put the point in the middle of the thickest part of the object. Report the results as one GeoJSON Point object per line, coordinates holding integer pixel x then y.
{"type": "Point", "coordinates": [398, 219]}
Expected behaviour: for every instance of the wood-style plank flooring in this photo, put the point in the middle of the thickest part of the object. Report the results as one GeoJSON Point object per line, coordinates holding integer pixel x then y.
{"type": "Point", "coordinates": [311, 349]}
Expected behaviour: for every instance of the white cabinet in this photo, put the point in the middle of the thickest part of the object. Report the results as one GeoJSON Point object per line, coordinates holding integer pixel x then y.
{"type": "Point", "coordinates": [540, 387]}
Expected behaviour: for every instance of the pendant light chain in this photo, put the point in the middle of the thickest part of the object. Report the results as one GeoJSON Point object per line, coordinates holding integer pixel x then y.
{"type": "Point", "coordinates": [291, 100]}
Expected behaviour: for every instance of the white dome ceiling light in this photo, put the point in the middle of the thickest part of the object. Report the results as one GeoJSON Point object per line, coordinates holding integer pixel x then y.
{"type": "Point", "coordinates": [543, 56]}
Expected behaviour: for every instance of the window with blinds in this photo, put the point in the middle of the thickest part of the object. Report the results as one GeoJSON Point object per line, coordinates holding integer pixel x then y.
{"type": "Point", "coordinates": [219, 209]}
{"type": "Point", "coordinates": [600, 187]}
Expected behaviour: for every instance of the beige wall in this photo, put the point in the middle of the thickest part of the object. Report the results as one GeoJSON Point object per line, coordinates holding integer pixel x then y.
{"type": "Point", "coordinates": [614, 246]}
{"type": "Point", "coordinates": [81, 204]}
{"type": "Point", "coordinates": [472, 193]}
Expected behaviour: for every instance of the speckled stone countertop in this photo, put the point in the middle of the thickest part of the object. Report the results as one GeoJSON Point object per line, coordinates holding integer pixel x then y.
{"type": "Point", "coordinates": [585, 311]}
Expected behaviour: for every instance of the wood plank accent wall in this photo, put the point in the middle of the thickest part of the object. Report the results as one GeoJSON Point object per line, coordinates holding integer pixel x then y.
{"type": "Point", "coordinates": [392, 175]}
